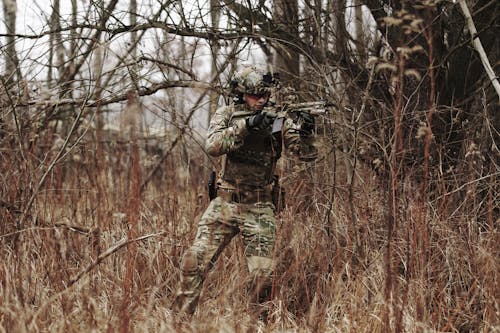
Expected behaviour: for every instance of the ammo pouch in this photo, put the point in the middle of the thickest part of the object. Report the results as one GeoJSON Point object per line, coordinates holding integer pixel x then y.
{"type": "Point", "coordinates": [212, 188]}
{"type": "Point", "coordinates": [245, 197]}
{"type": "Point", "coordinates": [278, 194]}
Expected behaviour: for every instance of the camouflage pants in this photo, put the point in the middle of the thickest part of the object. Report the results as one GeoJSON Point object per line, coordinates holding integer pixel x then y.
{"type": "Point", "coordinates": [219, 224]}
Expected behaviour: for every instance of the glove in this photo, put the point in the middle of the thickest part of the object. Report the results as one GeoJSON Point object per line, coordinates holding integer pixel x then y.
{"type": "Point", "coordinates": [259, 121]}
{"type": "Point", "coordinates": [307, 123]}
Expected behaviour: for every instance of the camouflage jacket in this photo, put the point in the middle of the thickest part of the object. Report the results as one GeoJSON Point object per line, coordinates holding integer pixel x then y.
{"type": "Point", "coordinates": [251, 155]}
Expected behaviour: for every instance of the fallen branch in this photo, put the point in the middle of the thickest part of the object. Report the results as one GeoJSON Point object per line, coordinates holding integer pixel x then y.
{"type": "Point", "coordinates": [117, 246]}
{"type": "Point", "coordinates": [72, 227]}
{"type": "Point", "coordinates": [121, 243]}
{"type": "Point", "coordinates": [75, 228]}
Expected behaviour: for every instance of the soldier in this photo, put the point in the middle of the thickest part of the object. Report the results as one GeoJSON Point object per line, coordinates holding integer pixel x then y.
{"type": "Point", "coordinates": [242, 134]}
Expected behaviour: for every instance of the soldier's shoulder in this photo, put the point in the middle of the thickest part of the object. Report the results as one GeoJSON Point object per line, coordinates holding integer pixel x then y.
{"type": "Point", "coordinates": [225, 110]}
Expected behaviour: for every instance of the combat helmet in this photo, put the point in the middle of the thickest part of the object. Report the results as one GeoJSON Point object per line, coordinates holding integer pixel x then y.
{"type": "Point", "coordinates": [253, 80]}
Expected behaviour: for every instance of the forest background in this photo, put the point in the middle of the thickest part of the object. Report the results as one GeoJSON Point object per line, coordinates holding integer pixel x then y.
{"type": "Point", "coordinates": [104, 107]}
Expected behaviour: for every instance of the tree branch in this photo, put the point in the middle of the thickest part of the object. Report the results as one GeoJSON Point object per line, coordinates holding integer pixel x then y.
{"type": "Point", "coordinates": [142, 91]}
{"type": "Point", "coordinates": [476, 42]}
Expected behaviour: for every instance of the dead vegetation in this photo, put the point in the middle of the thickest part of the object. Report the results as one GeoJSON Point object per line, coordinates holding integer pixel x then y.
{"type": "Point", "coordinates": [395, 228]}
{"type": "Point", "coordinates": [341, 265]}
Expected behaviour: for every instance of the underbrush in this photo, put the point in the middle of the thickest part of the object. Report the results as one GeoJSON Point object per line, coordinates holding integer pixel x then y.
{"type": "Point", "coordinates": [341, 266]}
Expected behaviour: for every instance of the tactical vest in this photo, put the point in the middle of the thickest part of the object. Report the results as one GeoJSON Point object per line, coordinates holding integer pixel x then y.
{"type": "Point", "coordinates": [253, 164]}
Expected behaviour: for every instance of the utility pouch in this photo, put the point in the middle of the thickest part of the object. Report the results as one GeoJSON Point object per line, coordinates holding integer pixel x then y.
{"type": "Point", "coordinates": [278, 125]}
{"type": "Point", "coordinates": [212, 188]}
{"type": "Point", "coordinates": [278, 194]}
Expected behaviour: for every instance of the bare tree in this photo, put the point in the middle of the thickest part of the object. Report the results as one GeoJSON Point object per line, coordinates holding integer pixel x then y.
{"type": "Point", "coordinates": [415, 120]}
{"type": "Point", "coordinates": [358, 30]}
{"type": "Point", "coordinates": [215, 14]}
{"type": "Point", "coordinates": [286, 58]}
{"type": "Point", "coordinates": [55, 43]}
{"type": "Point", "coordinates": [12, 69]}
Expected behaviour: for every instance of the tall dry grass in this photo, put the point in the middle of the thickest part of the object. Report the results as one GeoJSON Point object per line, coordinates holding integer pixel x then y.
{"type": "Point", "coordinates": [335, 271]}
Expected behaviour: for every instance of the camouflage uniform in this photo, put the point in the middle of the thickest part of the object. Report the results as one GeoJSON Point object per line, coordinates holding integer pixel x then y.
{"type": "Point", "coordinates": [244, 205]}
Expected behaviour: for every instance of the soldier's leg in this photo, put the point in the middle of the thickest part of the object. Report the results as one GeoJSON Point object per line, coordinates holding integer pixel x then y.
{"type": "Point", "coordinates": [258, 232]}
{"type": "Point", "coordinates": [211, 238]}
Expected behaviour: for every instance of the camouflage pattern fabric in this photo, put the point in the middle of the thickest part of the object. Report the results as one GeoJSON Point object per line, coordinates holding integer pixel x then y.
{"type": "Point", "coordinates": [253, 80]}
{"type": "Point", "coordinates": [228, 134]}
{"type": "Point", "coordinates": [247, 171]}
{"type": "Point", "coordinates": [218, 225]}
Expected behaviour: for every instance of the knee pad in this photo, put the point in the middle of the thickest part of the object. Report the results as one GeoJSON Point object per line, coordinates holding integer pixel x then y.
{"type": "Point", "coordinates": [260, 271]}
{"type": "Point", "coordinates": [260, 266]}
{"type": "Point", "coordinates": [189, 262]}
{"type": "Point", "coordinates": [260, 278]}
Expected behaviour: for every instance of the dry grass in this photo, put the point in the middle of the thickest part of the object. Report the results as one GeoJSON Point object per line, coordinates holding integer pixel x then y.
{"type": "Point", "coordinates": [443, 266]}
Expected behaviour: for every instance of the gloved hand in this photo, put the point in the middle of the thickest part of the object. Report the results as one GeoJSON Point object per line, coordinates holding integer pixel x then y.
{"type": "Point", "coordinates": [259, 121]}
{"type": "Point", "coordinates": [307, 123]}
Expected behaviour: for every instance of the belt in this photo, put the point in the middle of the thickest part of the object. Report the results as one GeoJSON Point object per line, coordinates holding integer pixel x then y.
{"type": "Point", "coordinates": [245, 197]}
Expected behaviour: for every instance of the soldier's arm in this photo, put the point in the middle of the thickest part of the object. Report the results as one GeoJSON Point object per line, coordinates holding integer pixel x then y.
{"type": "Point", "coordinates": [224, 137]}
{"type": "Point", "coordinates": [297, 145]}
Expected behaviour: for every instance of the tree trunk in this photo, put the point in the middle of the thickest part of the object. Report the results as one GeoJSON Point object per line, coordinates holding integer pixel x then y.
{"type": "Point", "coordinates": [358, 31]}
{"type": "Point", "coordinates": [133, 41]}
{"type": "Point", "coordinates": [286, 59]}
{"type": "Point", "coordinates": [11, 59]}
{"type": "Point", "coordinates": [215, 11]}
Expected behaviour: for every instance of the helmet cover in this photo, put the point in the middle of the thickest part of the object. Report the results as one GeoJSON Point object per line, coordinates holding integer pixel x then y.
{"type": "Point", "coordinates": [253, 80]}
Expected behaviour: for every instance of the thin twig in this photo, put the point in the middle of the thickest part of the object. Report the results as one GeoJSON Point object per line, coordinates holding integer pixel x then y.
{"type": "Point", "coordinates": [465, 185]}
{"type": "Point", "coordinates": [116, 98]}
{"type": "Point", "coordinates": [162, 159]}
{"type": "Point", "coordinates": [60, 154]}
{"type": "Point", "coordinates": [15, 116]}
{"type": "Point", "coordinates": [75, 228]}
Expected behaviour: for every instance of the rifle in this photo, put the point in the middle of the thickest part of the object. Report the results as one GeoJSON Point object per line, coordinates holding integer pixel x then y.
{"type": "Point", "coordinates": [293, 111]}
